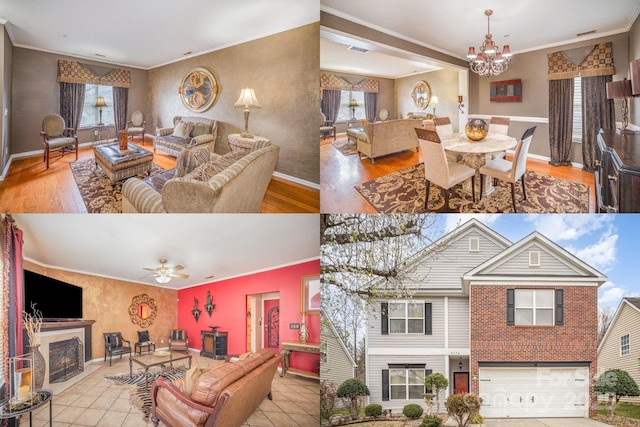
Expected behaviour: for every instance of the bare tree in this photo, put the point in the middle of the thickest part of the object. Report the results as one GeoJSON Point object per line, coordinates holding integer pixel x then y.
{"type": "Point", "coordinates": [605, 317]}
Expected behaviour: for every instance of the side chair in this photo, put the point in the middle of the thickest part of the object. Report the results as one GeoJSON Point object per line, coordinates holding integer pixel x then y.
{"type": "Point", "coordinates": [57, 137]}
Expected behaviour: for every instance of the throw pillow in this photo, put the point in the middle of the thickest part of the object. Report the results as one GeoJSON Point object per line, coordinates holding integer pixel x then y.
{"type": "Point", "coordinates": [177, 334]}
{"type": "Point", "coordinates": [143, 336]}
{"type": "Point", "coordinates": [182, 129]}
{"type": "Point", "coordinates": [189, 159]}
{"type": "Point", "coordinates": [198, 129]}
{"type": "Point", "coordinates": [191, 378]}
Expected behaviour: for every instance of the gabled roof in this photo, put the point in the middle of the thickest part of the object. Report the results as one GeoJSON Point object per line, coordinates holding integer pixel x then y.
{"type": "Point", "coordinates": [631, 302]}
{"type": "Point", "coordinates": [335, 334]}
{"type": "Point", "coordinates": [581, 271]}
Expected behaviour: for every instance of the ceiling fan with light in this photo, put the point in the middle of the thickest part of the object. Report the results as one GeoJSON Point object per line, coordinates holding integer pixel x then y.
{"type": "Point", "coordinates": [164, 273]}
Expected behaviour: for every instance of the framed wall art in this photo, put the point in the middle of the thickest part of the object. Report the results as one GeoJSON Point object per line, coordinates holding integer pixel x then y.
{"type": "Point", "coordinates": [506, 91]}
{"type": "Point", "coordinates": [310, 293]}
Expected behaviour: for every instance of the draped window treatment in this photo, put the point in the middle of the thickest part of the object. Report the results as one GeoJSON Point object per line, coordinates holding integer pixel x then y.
{"type": "Point", "coordinates": [330, 104]}
{"type": "Point", "coordinates": [597, 113]}
{"type": "Point", "coordinates": [370, 105]}
{"type": "Point", "coordinates": [71, 103]}
{"type": "Point", "coordinates": [560, 121]}
{"type": "Point", "coordinates": [330, 84]}
{"type": "Point", "coordinates": [120, 102]}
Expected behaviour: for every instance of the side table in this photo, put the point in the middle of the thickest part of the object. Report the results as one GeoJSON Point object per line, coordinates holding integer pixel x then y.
{"type": "Point", "coordinates": [242, 144]}
{"type": "Point", "coordinates": [7, 411]}
{"type": "Point", "coordinates": [100, 134]}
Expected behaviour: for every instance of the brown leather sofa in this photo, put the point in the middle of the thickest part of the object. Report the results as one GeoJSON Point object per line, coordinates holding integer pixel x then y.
{"type": "Point", "coordinates": [224, 396]}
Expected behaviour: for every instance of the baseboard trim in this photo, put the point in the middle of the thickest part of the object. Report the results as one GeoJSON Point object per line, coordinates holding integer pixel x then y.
{"type": "Point", "coordinates": [297, 180]}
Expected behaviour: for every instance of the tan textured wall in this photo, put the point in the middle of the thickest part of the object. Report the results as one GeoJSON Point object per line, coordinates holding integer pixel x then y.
{"type": "Point", "coordinates": [283, 71]}
{"type": "Point", "coordinates": [107, 302]}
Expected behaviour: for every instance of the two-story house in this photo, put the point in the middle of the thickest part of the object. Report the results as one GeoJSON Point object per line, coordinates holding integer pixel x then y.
{"type": "Point", "coordinates": [515, 323]}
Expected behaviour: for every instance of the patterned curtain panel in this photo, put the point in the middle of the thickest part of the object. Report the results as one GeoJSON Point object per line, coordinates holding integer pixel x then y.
{"type": "Point", "coordinates": [597, 113]}
{"type": "Point", "coordinates": [71, 102]}
{"type": "Point", "coordinates": [587, 61]}
{"type": "Point", "coordinates": [370, 105]}
{"type": "Point", "coordinates": [560, 121]}
{"type": "Point", "coordinates": [330, 104]}
{"type": "Point", "coordinates": [74, 72]}
{"type": "Point", "coordinates": [12, 285]}
{"type": "Point", "coordinates": [120, 101]}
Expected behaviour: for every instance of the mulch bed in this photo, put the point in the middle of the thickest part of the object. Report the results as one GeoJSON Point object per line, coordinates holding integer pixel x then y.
{"type": "Point", "coordinates": [618, 421]}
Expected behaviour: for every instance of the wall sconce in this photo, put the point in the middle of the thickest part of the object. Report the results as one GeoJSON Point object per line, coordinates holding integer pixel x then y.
{"type": "Point", "coordinates": [460, 104]}
{"type": "Point", "coordinates": [196, 311]}
{"type": "Point", "coordinates": [434, 101]}
{"type": "Point", "coordinates": [460, 364]}
{"type": "Point", "coordinates": [475, 377]}
{"type": "Point", "coordinates": [209, 306]}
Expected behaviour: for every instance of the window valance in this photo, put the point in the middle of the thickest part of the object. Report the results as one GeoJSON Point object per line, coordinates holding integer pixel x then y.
{"type": "Point", "coordinates": [587, 61]}
{"type": "Point", "coordinates": [333, 82]}
{"type": "Point", "coordinates": [74, 72]}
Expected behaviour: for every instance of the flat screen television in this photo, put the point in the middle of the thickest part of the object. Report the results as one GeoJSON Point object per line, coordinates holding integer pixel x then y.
{"type": "Point", "coordinates": [55, 299]}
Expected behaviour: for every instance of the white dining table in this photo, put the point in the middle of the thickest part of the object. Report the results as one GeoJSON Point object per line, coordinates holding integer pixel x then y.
{"type": "Point", "coordinates": [477, 153]}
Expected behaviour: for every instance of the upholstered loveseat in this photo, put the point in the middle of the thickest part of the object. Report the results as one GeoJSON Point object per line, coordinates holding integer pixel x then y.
{"type": "Point", "coordinates": [204, 182]}
{"type": "Point", "coordinates": [381, 138]}
{"type": "Point", "coordinates": [225, 395]}
{"type": "Point", "coordinates": [197, 131]}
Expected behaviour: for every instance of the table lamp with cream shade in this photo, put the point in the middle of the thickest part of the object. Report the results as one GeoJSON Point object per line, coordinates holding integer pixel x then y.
{"type": "Point", "coordinates": [434, 102]}
{"type": "Point", "coordinates": [100, 103]}
{"type": "Point", "coordinates": [353, 104]}
{"type": "Point", "coordinates": [247, 100]}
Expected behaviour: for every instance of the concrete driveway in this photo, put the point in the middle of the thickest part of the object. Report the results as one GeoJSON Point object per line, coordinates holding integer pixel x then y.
{"type": "Point", "coordinates": [543, 422]}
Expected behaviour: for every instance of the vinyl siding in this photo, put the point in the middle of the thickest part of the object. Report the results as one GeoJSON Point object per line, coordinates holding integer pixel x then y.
{"type": "Point", "coordinates": [609, 355]}
{"type": "Point", "coordinates": [458, 323]}
{"type": "Point", "coordinates": [518, 264]}
{"type": "Point", "coordinates": [338, 367]}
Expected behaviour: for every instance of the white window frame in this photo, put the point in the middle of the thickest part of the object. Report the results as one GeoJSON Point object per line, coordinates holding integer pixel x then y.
{"type": "Point", "coordinates": [535, 307]}
{"type": "Point", "coordinates": [576, 135]}
{"type": "Point", "coordinates": [406, 317]}
{"type": "Point", "coordinates": [93, 113]}
{"type": "Point", "coordinates": [474, 244]}
{"type": "Point", "coordinates": [406, 384]}
{"type": "Point", "coordinates": [534, 258]}
{"type": "Point", "coordinates": [625, 348]}
{"type": "Point", "coordinates": [344, 113]}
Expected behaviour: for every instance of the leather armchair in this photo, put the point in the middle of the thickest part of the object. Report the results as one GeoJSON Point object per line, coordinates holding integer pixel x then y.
{"type": "Point", "coordinates": [57, 137]}
{"type": "Point", "coordinates": [115, 345]}
{"type": "Point", "coordinates": [178, 341]}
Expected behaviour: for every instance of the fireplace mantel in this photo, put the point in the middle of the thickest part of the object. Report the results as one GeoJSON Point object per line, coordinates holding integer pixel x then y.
{"type": "Point", "coordinates": [72, 324]}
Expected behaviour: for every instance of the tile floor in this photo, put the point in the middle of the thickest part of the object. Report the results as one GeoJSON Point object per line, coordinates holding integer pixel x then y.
{"type": "Point", "coordinates": [95, 401]}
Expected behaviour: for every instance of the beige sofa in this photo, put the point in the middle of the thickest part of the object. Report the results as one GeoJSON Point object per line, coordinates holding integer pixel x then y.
{"type": "Point", "coordinates": [381, 138]}
{"type": "Point", "coordinates": [224, 396]}
{"type": "Point", "coordinates": [203, 131]}
{"type": "Point", "coordinates": [233, 183]}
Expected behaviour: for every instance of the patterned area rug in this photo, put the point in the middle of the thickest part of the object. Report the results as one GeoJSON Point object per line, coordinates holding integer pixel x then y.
{"type": "Point", "coordinates": [345, 146]}
{"type": "Point", "coordinates": [98, 194]}
{"type": "Point", "coordinates": [403, 192]}
{"type": "Point", "coordinates": [140, 396]}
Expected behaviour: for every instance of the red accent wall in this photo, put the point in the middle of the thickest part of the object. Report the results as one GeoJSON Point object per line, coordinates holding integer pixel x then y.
{"type": "Point", "coordinates": [230, 297]}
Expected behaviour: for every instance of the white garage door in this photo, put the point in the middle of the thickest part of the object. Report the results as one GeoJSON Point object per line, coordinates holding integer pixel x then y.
{"type": "Point", "coordinates": [534, 392]}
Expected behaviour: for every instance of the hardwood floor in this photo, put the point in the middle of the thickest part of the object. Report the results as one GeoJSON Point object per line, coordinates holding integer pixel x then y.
{"type": "Point", "coordinates": [30, 188]}
{"type": "Point", "coordinates": [340, 173]}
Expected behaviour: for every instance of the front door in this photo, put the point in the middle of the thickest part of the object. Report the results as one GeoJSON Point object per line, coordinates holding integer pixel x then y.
{"type": "Point", "coordinates": [272, 324]}
{"type": "Point", "coordinates": [461, 382]}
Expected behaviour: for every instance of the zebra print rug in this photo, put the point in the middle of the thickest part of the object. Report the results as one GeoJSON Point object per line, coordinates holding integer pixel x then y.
{"type": "Point", "coordinates": [140, 395]}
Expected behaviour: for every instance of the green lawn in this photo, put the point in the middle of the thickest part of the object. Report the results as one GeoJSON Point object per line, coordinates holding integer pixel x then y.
{"type": "Point", "coordinates": [628, 410]}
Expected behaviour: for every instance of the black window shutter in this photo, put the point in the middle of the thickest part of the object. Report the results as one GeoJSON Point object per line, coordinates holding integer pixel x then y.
{"type": "Point", "coordinates": [385, 385]}
{"type": "Point", "coordinates": [427, 372]}
{"type": "Point", "coordinates": [559, 306]}
{"type": "Point", "coordinates": [384, 308]}
{"type": "Point", "coordinates": [511, 307]}
{"type": "Point", "coordinates": [428, 323]}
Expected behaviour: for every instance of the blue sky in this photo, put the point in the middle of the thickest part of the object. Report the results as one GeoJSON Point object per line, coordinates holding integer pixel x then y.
{"type": "Point", "coordinates": [609, 243]}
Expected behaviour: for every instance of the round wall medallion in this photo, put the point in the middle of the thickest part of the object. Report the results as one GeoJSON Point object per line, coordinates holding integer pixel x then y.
{"type": "Point", "coordinates": [198, 90]}
{"type": "Point", "coordinates": [421, 94]}
{"type": "Point", "coordinates": [143, 310]}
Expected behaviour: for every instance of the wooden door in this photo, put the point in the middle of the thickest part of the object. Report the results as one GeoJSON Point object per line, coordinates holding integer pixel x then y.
{"type": "Point", "coordinates": [461, 382]}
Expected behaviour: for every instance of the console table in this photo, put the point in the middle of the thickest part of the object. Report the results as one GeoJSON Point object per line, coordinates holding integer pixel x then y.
{"type": "Point", "coordinates": [214, 344]}
{"type": "Point", "coordinates": [288, 347]}
{"type": "Point", "coordinates": [617, 173]}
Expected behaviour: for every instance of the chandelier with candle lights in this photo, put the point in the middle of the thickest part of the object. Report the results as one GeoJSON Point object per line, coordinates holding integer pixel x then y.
{"type": "Point", "coordinates": [490, 61]}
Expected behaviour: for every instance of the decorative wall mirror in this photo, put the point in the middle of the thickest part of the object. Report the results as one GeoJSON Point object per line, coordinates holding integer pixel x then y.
{"type": "Point", "coordinates": [143, 310]}
{"type": "Point", "coordinates": [421, 94]}
{"type": "Point", "coordinates": [198, 90]}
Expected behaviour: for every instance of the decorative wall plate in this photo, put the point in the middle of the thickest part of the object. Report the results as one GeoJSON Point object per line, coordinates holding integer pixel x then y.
{"type": "Point", "coordinates": [421, 94]}
{"type": "Point", "coordinates": [198, 90]}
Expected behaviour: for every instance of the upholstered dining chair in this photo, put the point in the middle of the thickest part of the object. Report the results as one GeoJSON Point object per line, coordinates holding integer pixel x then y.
{"type": "Point", "coordinates": [57, 137]}
{"type": "Point", "coordinates": [510, 171]}
{"type": "Point", "coordinates": [499, 125]}
{"type": "Point", "coordinates": [178, 341]}
{"type": "Point", "coordinates": [327, 127]}
{"type": "Point", "coordinates": [443, 126]}
{"type": "Point", "coordinates": [135, 126]}
{"type": "Point", "coordinates": [439, 170]}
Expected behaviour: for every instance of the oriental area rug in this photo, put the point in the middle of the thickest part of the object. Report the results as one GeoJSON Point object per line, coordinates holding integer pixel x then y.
{"type": "Point", "coordinates": [404, 192]}
{"type": "Point", "coordinates": [345, 146]}
{"type": "Point", "coordinates": [139, 394]}
{"type": "Point", "coordinates": [98, 193]}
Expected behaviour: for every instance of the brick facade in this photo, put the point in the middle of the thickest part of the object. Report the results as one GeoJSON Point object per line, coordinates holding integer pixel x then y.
{"type": "Point", "coordinates": [492, 340]}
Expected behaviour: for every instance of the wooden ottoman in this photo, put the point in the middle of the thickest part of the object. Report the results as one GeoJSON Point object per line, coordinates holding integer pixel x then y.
{"type": "Point", "coordinates": [118, 164]}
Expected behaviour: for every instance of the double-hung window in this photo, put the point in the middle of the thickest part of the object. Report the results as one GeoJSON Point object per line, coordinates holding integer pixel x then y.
{"type": "Point", "coordinates": [624, 345]}
{"type": "Point", "coordinates": [576, 135]}
{"type": "Point", "coordinates": [346, 113]}
{"type": "Point", "coordinates": [91, 114]}
{"type": "Point", "coordinates": [406, 317]}
{"type": "Point", "coordinates": [406, 384]}
{"type": "Point", "coordinates": [534, 306]}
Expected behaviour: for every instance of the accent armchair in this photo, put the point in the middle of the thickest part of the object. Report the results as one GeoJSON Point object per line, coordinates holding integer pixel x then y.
{"type": "Point", "coordinates": [327, 127]}
{"type": "Point", "coordinates": [57, 137]}
{"type": "Point", "coordinates": [115, 345]}
{"type": "Point", "coordinates": [178, 341]}
{"type": "Point", "coordinates": [135, 126]}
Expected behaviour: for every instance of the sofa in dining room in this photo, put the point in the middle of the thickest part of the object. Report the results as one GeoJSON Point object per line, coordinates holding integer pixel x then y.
{"type": "Point", "coordinates": [381, 138]}
{"type": "Point", "coordinates": [204, 182]}
{"type": "Point", "coordinates": [224, 395]}
{"type": "Point", "coordinates": [186, 132]}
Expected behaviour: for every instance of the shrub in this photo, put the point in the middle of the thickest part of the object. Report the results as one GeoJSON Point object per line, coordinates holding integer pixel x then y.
{"type": "Point", "coordinates": [327, 398]}
{"type": "Point", "coordinates": [351, 390]}
{"type": "Point", "coordinates": [477, 419]}
{"type": "Point", "coordinates": [431, 421]}
{"type": "Point", "coordinates": [463, 407]}
{"type": "Point", "coordinates": [436, 382]}
{"type": "Point", "coordinates": [616, 383]}
{"type": "Point", "coordinates": [373, 410]}
{"type": "Point", "coordinates": [413, 411]}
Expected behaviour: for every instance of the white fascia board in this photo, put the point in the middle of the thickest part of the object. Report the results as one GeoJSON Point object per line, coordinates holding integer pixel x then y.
{"type": "Point", "coordinates": [417, 351]}
{"type": "Point", "coordinates": [532, 280]}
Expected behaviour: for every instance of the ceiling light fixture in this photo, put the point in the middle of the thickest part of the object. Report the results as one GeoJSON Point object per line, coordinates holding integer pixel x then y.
{"type": "Point", "coordinates": [490, 61]}
{"type": "Point", "coordinates": [163, 279]}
